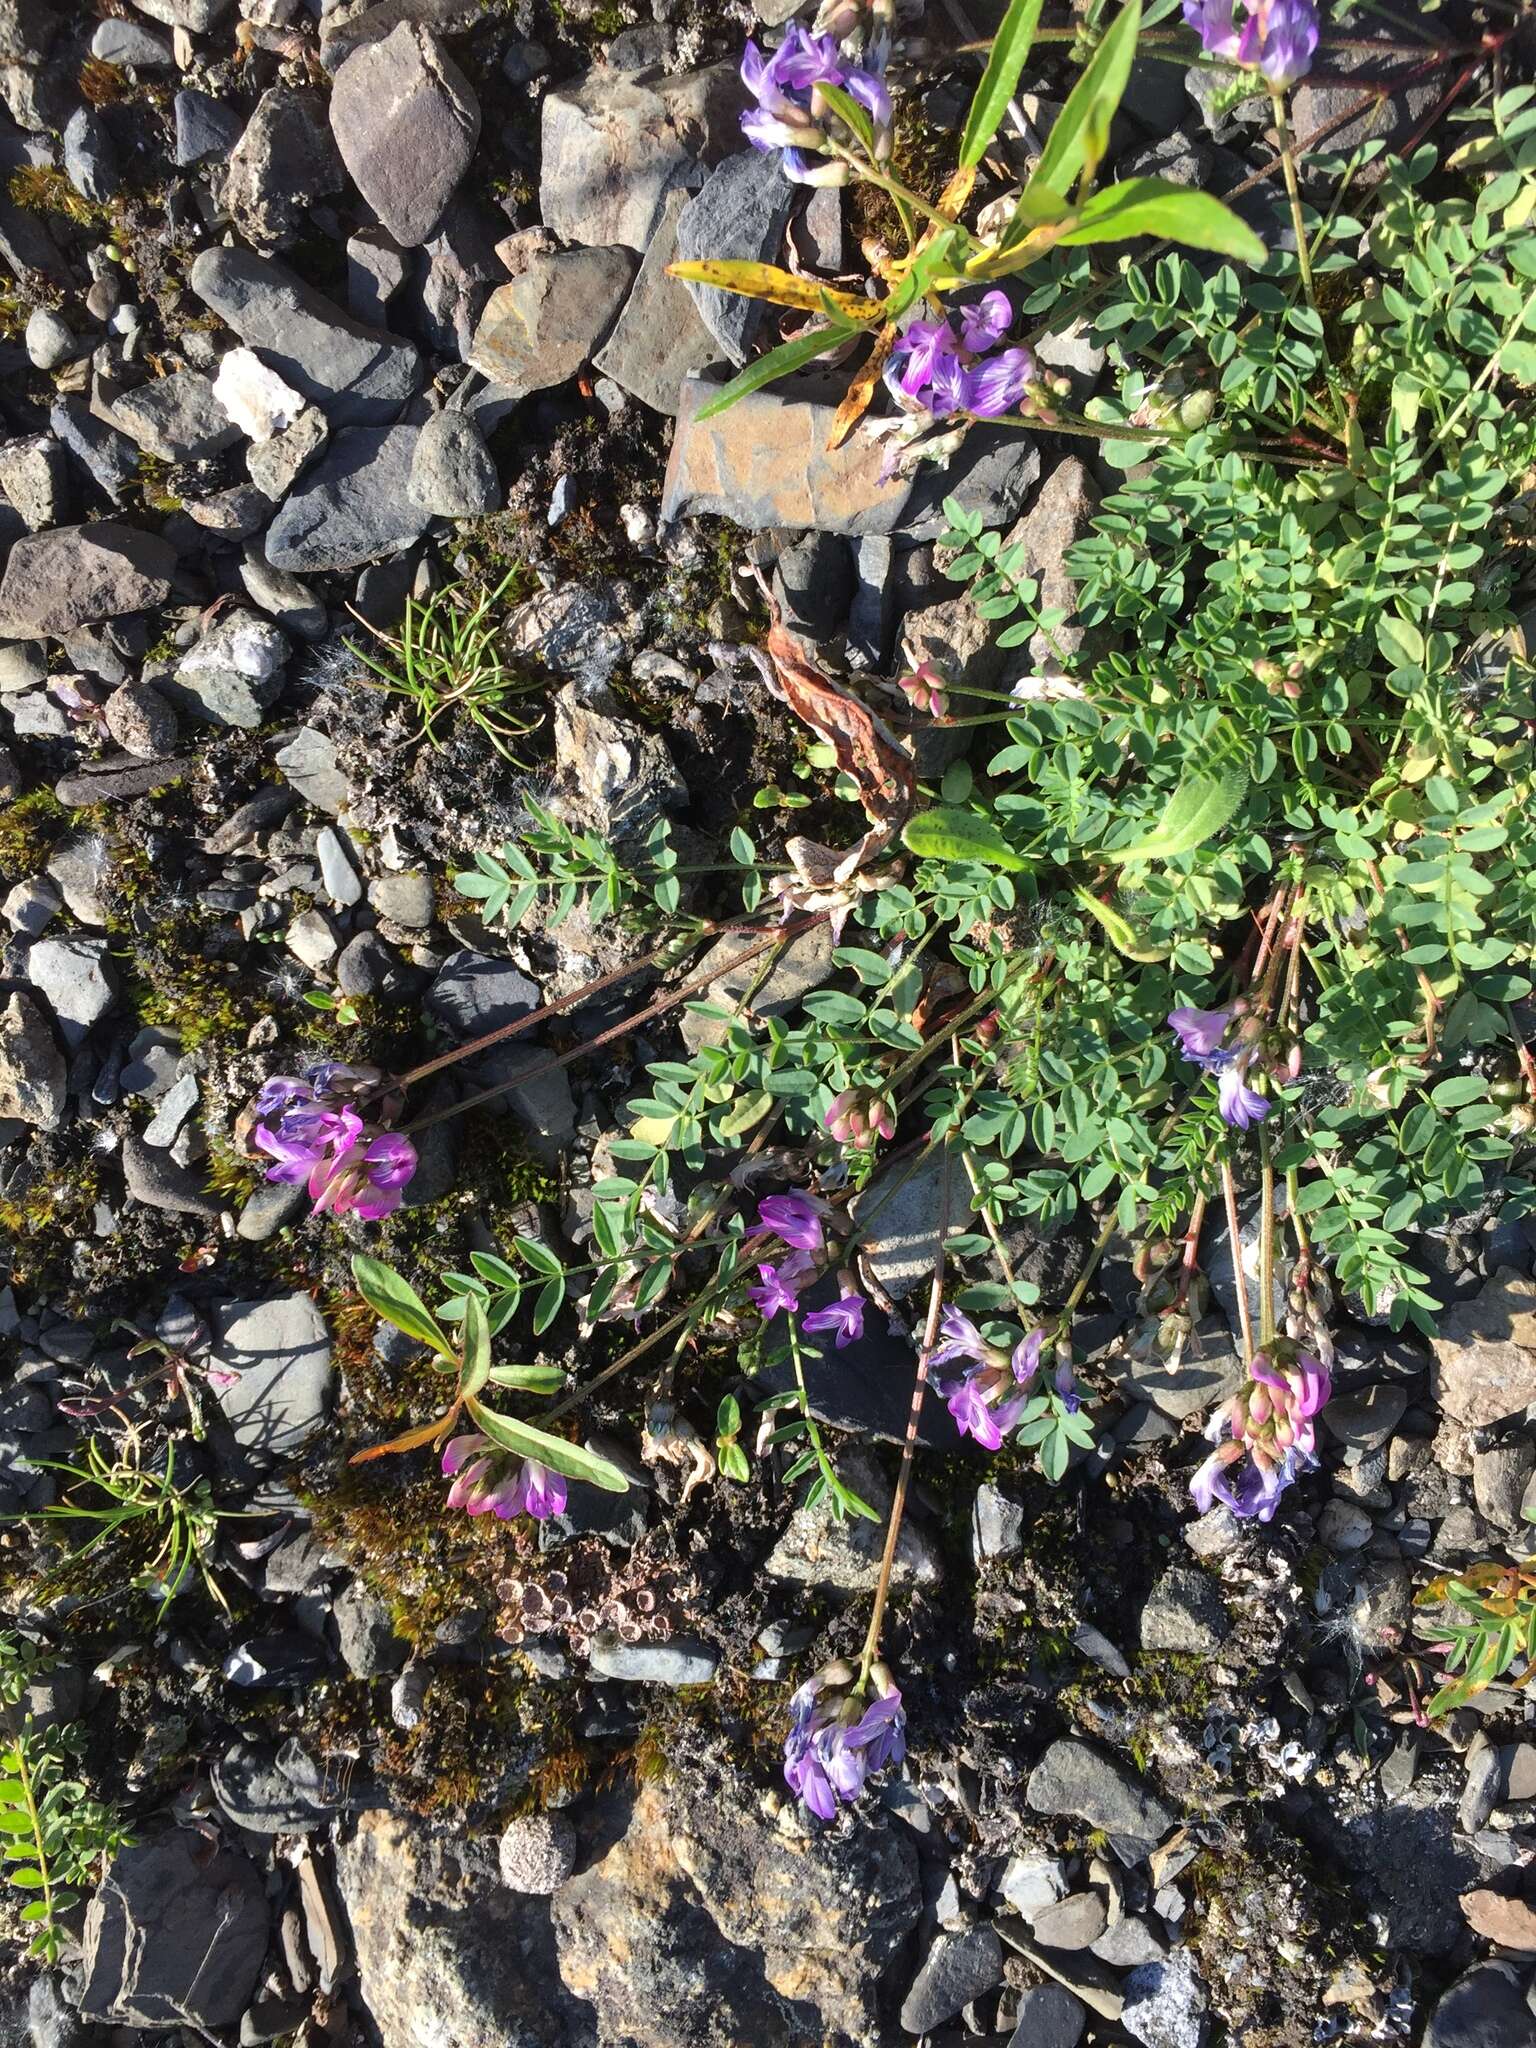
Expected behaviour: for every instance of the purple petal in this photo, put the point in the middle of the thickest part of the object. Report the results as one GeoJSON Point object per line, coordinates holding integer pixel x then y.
{"type": "Point", "coordinates": [986, 322]}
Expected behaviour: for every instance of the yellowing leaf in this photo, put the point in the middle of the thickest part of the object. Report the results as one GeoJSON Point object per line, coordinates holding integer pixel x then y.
{"type": "Point", "coordinates": [778, 287]}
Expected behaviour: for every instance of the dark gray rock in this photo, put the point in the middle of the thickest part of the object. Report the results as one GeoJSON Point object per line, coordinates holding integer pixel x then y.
{"type": "Point", "coordinates": [543, 327]}
{"type": "Point", "coordinates": [1185, 1613]}
{"type": "Point", "coordinates": [1074, 1779]}
{"type": "Point", "coordinates": [956, 1969]}
{"type": "Point", "coordinates": [155, 1179]}
{"type": "Point", "coordinates": [813, 583]}
{"type": "Point", "coordinates": [131, 43]}
{"type": "Point", "coordinates": [740, 213]}
{"type": "Point", "coordinates": [282, 164]}
{"type": "Point", "coordinates": [475, 993]}
{"type": "Point", "coordinates": [107, 457]}
{"type": "Point", "coordinates": [658, 341]}
{"type": "Point", "coordinates": [1488, 2007]}
{"type": "Point", "coordinates": [406, 123]}
{"type": "Point", "coordinates": [176, 419]}
{"type": "Point", "coordinates": [453, 474]}
{"type": "Point", "coordinates": [1049, 2017]}
{"type": "Point", "coordinates": [376, 269]}
{"type": "Point", "coordinates": [612, 148]}
{"type": "Point", "coordinates": [204, 126]}
{"type": "Point", "coordinates": [353, 506]}
{"type": "Point", "coordinates": [288, 600]}
{"type": "Point", "coordinates": [175, 1936]}
{"type": "Point", "coordinates": [997, 1525]}
{"type": "Point", "coordinates": [75, 575]}
{"type": "Point", "coordinates": [286, 1657]}
{"type": "Point", "coordinates": [252, 1787]}
{"type": "Point", "coordinates": [369, 1646]}
{"type": "Point", "coordinates": [90, 159]}
{"type": "Point", "coordinates": [357, 375]}
{"type": "Point", "coordinates": [281, 1353]}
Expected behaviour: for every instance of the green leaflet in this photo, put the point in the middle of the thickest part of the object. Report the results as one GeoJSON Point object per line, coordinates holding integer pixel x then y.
{"type": "Point", "coordinates": [1081, 134]}
{"type": "Point", "coordinates": [778, 362]}
{"type": "Point", "coordinates": [1000, 80]}
{"type": "Point", "coordinates": [391, 1296]}
{"type": "Point", "coordinates": [1118, 930]}
{"type": "Point", "coordinates": [945, 834]}
{"type": "Point", "coordinates": [554, 1451]}
{"type": "Point", "coordinates": [1212, 789]}
{"type": "Point", "coordinates": [1152, 206]}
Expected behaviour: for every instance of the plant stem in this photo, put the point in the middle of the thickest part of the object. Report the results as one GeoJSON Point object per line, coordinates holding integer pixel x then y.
{"type": "Point", "coordinates": [29, 1796]}
{"type": "Point", "coordinates": [1266, 1242]}
{"type": "Point", "coordinates": [779, 937]}
{"type": "Point", "coordinates": [909, 1446]}
{"type": "Point", "coordinates": [1235, 1243]}
{"type": "Point", "coordinates": [1293, 193]}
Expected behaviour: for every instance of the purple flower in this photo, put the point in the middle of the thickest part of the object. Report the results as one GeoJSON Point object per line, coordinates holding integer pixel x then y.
{"type": "Point", "coordinates": [368, 1179]}
{"type": "Point", "coordinates": [790, 113]}
{"type": "Point", "coordinates": [1265, 1433]}
{"type": "Point", "coordinates": [1276, 38]}
{"type": "Point", "coordinates": [959, 1337]}
{"type": "Point", "coordinates": [779, 1286]}
{"type": "Point", "coordinates": [1066, 1388]}
{"type": "Point", "coordinates": [305, 1139]}
{"type": "Point", "coordinates": [835, 1741]}
{"type": "Point", "coordinates": [1199, 1032]}
{"type": "Point", "coordinates": [845, 1316]}
{"type": "Point", "coordinates": [1026, 1355]}
{"type": "Point", "coordinates": [988, 1421]}
{"type": "Point", "coordinates": [795, 1218]}
{"type": "Point", "coordinates": [484, 1484]}
{"type": "Point", "coordinates": [949, 372]}
{"type": "Point", "coordinates": [1240, 1105]}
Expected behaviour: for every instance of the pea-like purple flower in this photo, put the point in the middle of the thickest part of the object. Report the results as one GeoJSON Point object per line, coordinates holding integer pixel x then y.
{"type": "Point", "coordinates": [778, 1287]}
{"type": "Point", "coordinates": [987, 1399]}
{"type": "Point", "coordinates": [1265, 1434]}
{"type": "Point", "coordinates": [792, 113]}
{"type": "Point", "coordinates": [485, 1483]}
{"type": "Point", "coordinates": [311, 1130]}
{"type": "Point", "coordinates": [796, 1218]}
{"type": "Point", "coordinates": [845, 1317]}
{"type": "Point", "coordinates": [1200, 1034]}
{"type": "Point", "coordinates": [949, 370]}
{"type": "Point", "coordinates": [838, 1735]}
{"type": "Point", "coordinates": [1276, 38]}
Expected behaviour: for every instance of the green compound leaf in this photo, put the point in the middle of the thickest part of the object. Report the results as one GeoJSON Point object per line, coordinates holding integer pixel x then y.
{"type": "Point", "coordinates": [1209, 795]}
{"type": "Point", "coordinates": [945, 834]}
{"type": "Point", "coordinates": [524, 1441]}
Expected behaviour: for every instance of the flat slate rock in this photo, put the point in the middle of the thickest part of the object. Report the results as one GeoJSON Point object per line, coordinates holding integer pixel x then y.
{"type": "Point", "coordinates": [740, 213]}
{"type": "Point", "coordinates": [77, 575]}
{"type": "Point", "coordinates": [659, 341]}
{"type": "Point", "coordinates": [353, 506]}
{"type": "Point", "coordinates": [280, 1351]}
{"type": "Point", "coordinates": [358, 375]}
{"type": "Point", "coordinates": [543, 326]}
{"type": "Point", "coordinates": [406, 123]}
{"type": "Point", "coordinates": [1078, 1781]}
{"type": "Point", "coordinates": [175, 1936]}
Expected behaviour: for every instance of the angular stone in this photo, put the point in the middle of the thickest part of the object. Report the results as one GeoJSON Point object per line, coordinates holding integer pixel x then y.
{"type": "Point", "coordinates": [376, 269]}
{"type": "Point", "coordinates": [475, 993]}
{"type": "Point", "coordinates": [34, 479]}
{"type": "Point", "coordinates": [740, 214]}
{"type": "Point", "coordinates": [358, 375]}
{"type": "Point", "coordinates": [308, 762]}
{"type": "Point", "coordinates": [613, 147]}
{"type": "Point", "coordinates": [1485, 1349]}
{"type": "Point", "coordinates": [1185, 1614]}
{"type": "Point", "coordinates": [175, 1936]}
{"type": "Point", "coordinates": [768, 986]}
{"type": "Point", "coordinates": [1059, 516]}
{"type": "Point", "coordinates": [898, 1214]}
{"type": "Point", "coordinates": [273, 466]}
{"type": "Point", "coordinates": [353, 506]}
{"type": "Point", "coordinates": [129, 42]}
{"type": "Point", "coordinates": [235, 672]}
{"type": "Point", "coordinates": [1049, 2017]}
{"type": "Point", "coordinates": [956, 1969]}
{"type": "Point", "coordinates": [543, 326]}
{"type": "Point", "coordinates": [1208, 1371]}
{"type": "Point", "coordinates": [254, 396]}
{"type": "Point", "coordinates": [659, 340]}
{"type": "Point", "coordinates": [453, 474]}
{"type": "Point", "coordinates": [281, 1353]}
{"type": "Point", "coordinates": [1071, 1923]}
{"type": "Point", "coordinates": [141, 721]}
{"type": "Point", "coordinates": [76, 575]}
{"type": "Point", "coordinates": [204, 126]}
{"type": "Point", "coordinates": [32, 1072]}
{"type": "Point", "coordinates": [1485, 2008]}
{"type": "Point", "coordinates": [1166, 2003]}
{"type": "Point", "coordinates": [107, 457]}
{"type": "Point", "coordinates": [681, 1661]}
{"type": "Point", "coordinates": [765, 462]}
{"type": "Point", "coordinates": [77, 980]}
{"type": "Point", "coordinates": [817, 1549]}
{"type": "Point", "coordinates": [176, 419]}
{"type": "Point", "coordinates": [1074, 1779]}
{"type": "Point", "coordinates": [1502, 1918]}
{"type": "Point", "coordinates": [281, 165]}
{"type": "Point", "coordinates": [406, 123]}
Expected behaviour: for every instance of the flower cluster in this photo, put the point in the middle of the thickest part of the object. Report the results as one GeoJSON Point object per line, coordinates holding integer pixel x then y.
{"type": "Point", "coordinates": [948, 370]}
{"type": "Point", "coordinates": [1276, 38]}
{"type": "Point", "coordinates": [1200, 1034]}
{"type": "Point", "coordinates": [1264, 1435]}
{"type": "Point", "coordinates": [313, 1132]}
{"type": "Point", "coordinates": [836, 1739]}
{"type": "Point", "coordinates": [486, 1483]}
{"type": "Point", "coordinates": [991, 1393]}
{"type": "Point", "coordinates": [792, 110]}
{"type": "Point", "coordinates": [859, 1116]}
{"type": "Point", "coordinates": [799, 1220]}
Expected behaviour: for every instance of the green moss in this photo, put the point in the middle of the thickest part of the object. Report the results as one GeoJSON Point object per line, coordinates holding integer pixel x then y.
{"type": "Point", "coordinates": [39, 188]}
{"type": "Point", "coordinates": [29, 830]}
{"type": "Point", "coordinates": [188, 995]}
